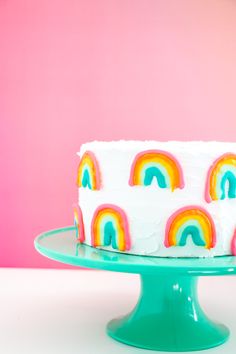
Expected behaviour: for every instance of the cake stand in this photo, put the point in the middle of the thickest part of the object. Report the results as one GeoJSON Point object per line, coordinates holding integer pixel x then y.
{"type": "Point", "coordinates": [168, 316]}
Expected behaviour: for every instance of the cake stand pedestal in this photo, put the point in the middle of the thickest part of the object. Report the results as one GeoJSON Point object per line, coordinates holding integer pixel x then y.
{"type": "Point", "coordinates": [168, 316]}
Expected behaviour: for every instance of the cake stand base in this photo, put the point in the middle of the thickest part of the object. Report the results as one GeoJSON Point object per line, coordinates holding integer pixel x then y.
{"type": "Point", "coordinates": [168, 307]}
{"type": "Point", "coordinates": [168, 316]}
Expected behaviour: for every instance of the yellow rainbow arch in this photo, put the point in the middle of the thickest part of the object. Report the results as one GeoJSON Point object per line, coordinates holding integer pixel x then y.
{"type": "Point", "coordinates": [222, 170]}
{"type": "Point", "coordinates": [156, 163]}
{"type": "Point", "coordinates": [88, 172]}
{"type": "Point", "coordinates": [194, 221]}
{"type": "Point", "coordinates": [109, 227]}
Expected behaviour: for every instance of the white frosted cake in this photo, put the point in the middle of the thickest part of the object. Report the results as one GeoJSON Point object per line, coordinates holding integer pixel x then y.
{"type": "Point", "coordinates": [166, 199]}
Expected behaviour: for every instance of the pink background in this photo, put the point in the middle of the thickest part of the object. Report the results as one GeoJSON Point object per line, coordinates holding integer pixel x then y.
{"type": "Point", "coordinates": [73, 71]}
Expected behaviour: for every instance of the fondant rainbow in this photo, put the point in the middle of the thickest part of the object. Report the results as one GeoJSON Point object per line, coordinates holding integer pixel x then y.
{"type": "Point", "coordinates": [233, 244]}
{"type": "Point", "coordinates": [88, 172]}
{"type": "Point", "coordinates": [194, 221]}
{"type": "Point", "coordinates": [158, 164]}
{"type": "Point", "coordinates": [221, 178]}
{"type": "Point", "coordinates": [79, 224]}
{"type": "Point", "coordinates": [110, 227]}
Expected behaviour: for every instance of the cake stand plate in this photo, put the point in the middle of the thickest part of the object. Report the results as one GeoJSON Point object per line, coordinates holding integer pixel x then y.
{"type": "Point", "coordinates": [168, 316]}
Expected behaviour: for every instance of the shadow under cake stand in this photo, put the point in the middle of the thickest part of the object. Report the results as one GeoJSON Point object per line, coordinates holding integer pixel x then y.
{"type": "Point", "coordinates": [168, 316]}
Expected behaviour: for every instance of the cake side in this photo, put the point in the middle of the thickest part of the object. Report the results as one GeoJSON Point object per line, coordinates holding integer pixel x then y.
{"type": "Point", "coordinates": [154, 198]}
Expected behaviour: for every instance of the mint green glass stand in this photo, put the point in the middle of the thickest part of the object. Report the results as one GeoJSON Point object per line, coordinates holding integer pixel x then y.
{"type": "Point", "coordinates": [168, 316]}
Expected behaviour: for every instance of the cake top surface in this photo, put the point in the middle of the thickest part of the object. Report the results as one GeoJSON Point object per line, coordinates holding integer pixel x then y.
{"type": "Point", "coordinates": [194, 146]}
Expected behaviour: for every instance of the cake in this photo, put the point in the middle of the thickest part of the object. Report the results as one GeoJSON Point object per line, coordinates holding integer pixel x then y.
{"type": "Point", "coordinates": [162, 199]}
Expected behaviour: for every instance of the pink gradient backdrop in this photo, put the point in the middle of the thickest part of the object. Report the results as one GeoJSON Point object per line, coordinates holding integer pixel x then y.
{"type": "Point", "coordinates": [73, 71]}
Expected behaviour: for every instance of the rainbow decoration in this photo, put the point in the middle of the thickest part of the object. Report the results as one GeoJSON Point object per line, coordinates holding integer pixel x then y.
{"type": "Point", "coordinates": [110, 227]}
{"type": "Point", "coordinates": [88, 172]}
{"type": "Point", "coordinates": [79, 224]}
{"type": "Point", "coordinates": [194, 221]}
{"type": "Point", "coordinates": [158, 164]}
{"type": "Point", "coordinates": [221, 178]}
{"type": "Point", "coordinates": [233, 244]}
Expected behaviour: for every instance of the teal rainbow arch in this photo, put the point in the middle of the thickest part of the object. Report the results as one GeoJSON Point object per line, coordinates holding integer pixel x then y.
{"type": "Point", "coordinates": [221, 179]}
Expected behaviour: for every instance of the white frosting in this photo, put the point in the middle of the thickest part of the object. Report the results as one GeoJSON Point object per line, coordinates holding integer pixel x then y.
{"type": "Point", "coordinates": [149, 207]}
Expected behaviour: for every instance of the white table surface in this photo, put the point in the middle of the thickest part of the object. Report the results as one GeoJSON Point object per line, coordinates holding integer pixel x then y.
{"type": "Point", "coordinates": [66, 311]}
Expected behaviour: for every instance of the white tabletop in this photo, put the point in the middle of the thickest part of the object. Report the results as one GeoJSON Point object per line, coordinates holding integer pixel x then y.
{"type": "Point", "coordinates": [66, 311]}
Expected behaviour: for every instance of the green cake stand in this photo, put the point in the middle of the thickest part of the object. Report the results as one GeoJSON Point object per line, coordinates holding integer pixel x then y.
{"type": "Point", "coordinates": [168, 316]}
